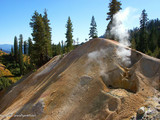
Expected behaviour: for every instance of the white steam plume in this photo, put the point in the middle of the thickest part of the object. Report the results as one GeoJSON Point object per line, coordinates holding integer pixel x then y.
{"type": "Point", "coordinates": [120, 32]}
{"type": "Point", "coordinates": [102, 57]}
{"type": "Point", "coordinates": [118, 28]}
{"type": "Point", "coordinates": [96, 56]}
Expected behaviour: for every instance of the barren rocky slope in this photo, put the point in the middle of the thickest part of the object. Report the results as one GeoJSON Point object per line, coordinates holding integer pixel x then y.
{"type": "Point", "coordinates": [90, 83]}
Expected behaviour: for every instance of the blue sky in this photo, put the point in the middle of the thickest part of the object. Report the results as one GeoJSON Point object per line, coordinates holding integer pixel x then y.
{"type": "Point", "coordinates": [16, 15]}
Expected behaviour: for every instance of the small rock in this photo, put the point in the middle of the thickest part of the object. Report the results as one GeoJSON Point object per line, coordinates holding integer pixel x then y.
{"type": "Point", "coordinates": [149, 112]}
{"type": "Point", "coordinates": [158, 108]}
{"type": "Point", "coordinates": [141, 111]}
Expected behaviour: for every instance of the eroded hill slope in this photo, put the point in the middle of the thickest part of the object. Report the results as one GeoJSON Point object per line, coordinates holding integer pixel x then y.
{"type": "Point", "coordinates": [92, 82]}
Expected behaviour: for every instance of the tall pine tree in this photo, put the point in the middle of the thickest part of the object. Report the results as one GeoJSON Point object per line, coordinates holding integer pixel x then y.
{"type": "Point", "coordinates": [41, 51]}
{"type": "Point", "coordinates": [114, 7]}
{"type": "Point", "coordinates": [47, 45]}
{"type": "Point", "coordinates": [147, 36]}
{"type": "Point", "coordinates": [143, 43]}
{"type": "Point", "coordinates": [16, 49]}
{"type": "Point", "coordinates": [39, 38]}
{"type": "Point", "coordinates": [93, 29]}
{"type": "Point", "coordinates": [69, 35]}
{"type": "Point", "coordinates": [25, 47]}
{"type": "Point", "coordinates": [21, 64]}
{"type": "Point", "coordinates": [30, 45]}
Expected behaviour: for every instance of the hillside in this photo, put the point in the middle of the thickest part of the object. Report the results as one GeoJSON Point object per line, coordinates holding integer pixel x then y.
{"type": "Point", "coordinates": [92, 82]}
{"type": "Point", "coordinates": [8, 60]}
{"type": "Point", "coordinates": [5, 72]}
{"type": "Point", "coordinates": [2, 53]}
{"type": "Point", "coordinates": [6, 77]}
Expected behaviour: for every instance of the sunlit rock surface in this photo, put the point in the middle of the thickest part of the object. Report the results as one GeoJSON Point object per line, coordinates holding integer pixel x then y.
{"type": "Point", "coordinates": [90, 83]}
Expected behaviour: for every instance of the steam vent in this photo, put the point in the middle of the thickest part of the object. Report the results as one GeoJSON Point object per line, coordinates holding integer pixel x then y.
{"type": "Point", "coordinates": [93, 82]}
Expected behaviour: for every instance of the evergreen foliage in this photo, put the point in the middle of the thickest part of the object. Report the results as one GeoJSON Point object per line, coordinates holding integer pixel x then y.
{"type": "Point", "coordinates": [47, 34]}
{"type": "Point", "coordinates": [16, 49]}
{"type": "Point", "coordinates": [4, 83]}
{"type": "Point", "coordinates": [147, 38]}
{"type": "Point", "coordinates": [133, 43]}
{"type": "Point", "coordinates": [69, 36]}
{"type": "Point", "coordinates": [21, 64]}
{"type": "Point", "coordinates": [114, 7]}
{"type": "Point", "coordinates": [30, 45]}
{"type": "Point", "coordinates": [41, 51]}
{"type": "Point", "coordinates": [12, 51]}
{"type": "Point", "coordinates": [10, 63]}
{"type": "Point", "coordinates": [54, 50]}
{"type": "Point", "coordinates": [143, 32]}
{"type": "Point", "coordinates": [63, 47]}
{"type": "Point", "coordinates": [59, 49]}
{"type": "Point", "coordinates": [25, 47]}
{"type": "Point", "coordinates": [93, 28]}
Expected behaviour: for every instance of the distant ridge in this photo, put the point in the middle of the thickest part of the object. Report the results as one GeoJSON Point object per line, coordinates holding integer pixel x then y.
{"type": "Point", "coordinates": [6, 47]}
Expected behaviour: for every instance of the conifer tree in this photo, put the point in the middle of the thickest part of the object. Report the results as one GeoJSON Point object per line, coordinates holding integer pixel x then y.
{"type": "Point", "coordinates": [47, 45]}
{"type": "Point", "coordinates": [41, 51]}
{"type": "Point", "coordinates": [148, 34]}
{"type": "Point", "coordinates": [114, 7]}
{"type": "Point", "coordinates": [152, 41]}
{"type": "Point", "coordinates": [69, 35]}
{"type": "Point", "coordinates": [59, 49]}
{"type": "Point", "coordinates": [21, 64]}
{"type": "Point", "coordinates": [16, 49]}
{"type": "Point", "coordinates": [93, 29]}
{"type": "Point", "coordinates": [30, 45]}
{"type": "Point", "coordinates": [62, 47]}
{"type": "Point", "coordinates": [143, 32]}
{"type": "Point", "coordinates": [12, 51]}
{"type": "Point", "coordinates": [25, 47]}
{"type": "Point", "coordinates": [39, 38]}
{"type": "Point", "coordinates": [54, 52]}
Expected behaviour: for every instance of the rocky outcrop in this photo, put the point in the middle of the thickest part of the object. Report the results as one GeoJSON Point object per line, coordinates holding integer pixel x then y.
{"type": "Point", "coordinates": [92, 82]}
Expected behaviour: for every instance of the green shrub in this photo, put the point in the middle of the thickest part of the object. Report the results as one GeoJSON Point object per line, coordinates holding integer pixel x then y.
{"type": "Point", "coordinates": [4, 83]}
{"type": "Point", "coordinates": [15, 71]}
